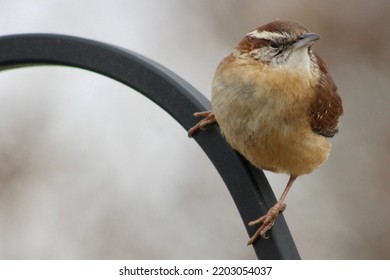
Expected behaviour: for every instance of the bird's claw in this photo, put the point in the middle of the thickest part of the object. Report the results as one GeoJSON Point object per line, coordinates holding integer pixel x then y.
{"type": "Point", "coordinates": [208, 119]}
{"type": "Point", "coordinates": [267, 222]}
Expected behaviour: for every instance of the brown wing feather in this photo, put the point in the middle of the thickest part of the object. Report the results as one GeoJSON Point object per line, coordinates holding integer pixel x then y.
{"type": "Point", "coordinates": [326, 107]}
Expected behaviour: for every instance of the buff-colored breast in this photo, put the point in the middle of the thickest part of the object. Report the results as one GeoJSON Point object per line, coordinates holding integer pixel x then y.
{"type": "Point", "coordinates": [264, 116]}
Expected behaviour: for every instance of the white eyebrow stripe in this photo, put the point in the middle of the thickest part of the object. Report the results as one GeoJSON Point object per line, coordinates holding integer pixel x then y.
{"type": "Point", "coordinates": [266, 34]}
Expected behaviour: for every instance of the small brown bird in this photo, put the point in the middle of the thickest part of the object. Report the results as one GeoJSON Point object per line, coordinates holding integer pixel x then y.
{"type": "Point", "coordinates": [276, 104]}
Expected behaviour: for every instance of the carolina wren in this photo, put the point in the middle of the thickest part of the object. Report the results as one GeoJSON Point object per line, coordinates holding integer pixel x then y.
{"type": "Point", "coordinates": [276, 104]}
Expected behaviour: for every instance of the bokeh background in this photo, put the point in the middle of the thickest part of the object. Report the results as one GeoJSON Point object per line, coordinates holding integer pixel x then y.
{"type": "Point", "coordinates": [90, 169]}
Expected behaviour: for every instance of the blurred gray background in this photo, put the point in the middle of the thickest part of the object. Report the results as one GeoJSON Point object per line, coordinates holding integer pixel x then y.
{"type": "Point", "coordinates": [90, 169]}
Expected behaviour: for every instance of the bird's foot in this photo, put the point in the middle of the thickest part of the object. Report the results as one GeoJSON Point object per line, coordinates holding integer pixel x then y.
{"type": "Point", "coordinates": [208, 119]}
{"type": "Point", "coordinates": [267, 222]}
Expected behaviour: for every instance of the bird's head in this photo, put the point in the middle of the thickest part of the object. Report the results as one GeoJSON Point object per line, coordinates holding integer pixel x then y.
{"type": "Point", "coordinates": [282, 45]}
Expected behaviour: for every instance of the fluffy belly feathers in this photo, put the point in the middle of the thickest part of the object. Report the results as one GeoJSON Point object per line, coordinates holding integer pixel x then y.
{"type": "Point", "coordinates": [269, 125]}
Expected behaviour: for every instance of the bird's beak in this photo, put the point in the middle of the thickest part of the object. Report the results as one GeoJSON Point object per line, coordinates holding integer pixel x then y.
{"type": "Point", "coordinates": [305, 40]}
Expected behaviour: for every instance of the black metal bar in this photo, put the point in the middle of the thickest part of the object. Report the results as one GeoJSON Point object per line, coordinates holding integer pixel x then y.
{"type": "Point", "coordinates": [247, 185]}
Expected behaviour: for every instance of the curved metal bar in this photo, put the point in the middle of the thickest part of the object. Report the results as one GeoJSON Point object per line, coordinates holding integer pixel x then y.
{"type": "Point", "coordinates": [247, 185]}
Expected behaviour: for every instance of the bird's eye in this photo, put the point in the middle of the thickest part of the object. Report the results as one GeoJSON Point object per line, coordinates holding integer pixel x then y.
{"type": "Point", "coordinates": [273, 44]}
